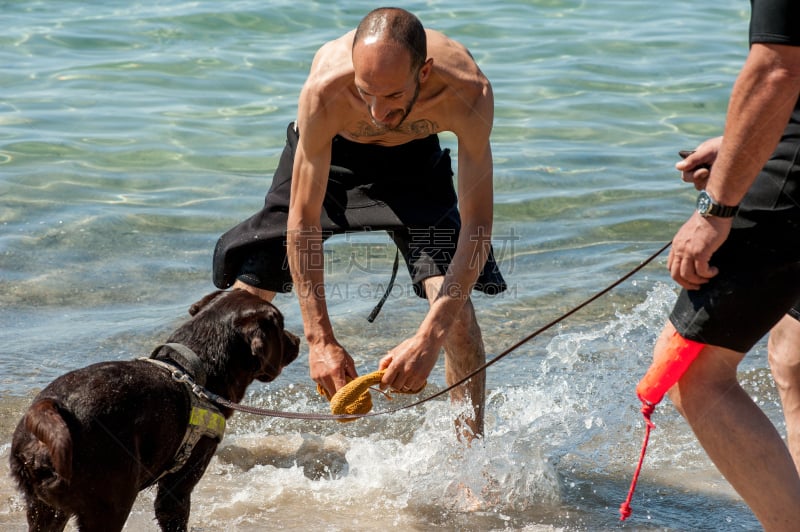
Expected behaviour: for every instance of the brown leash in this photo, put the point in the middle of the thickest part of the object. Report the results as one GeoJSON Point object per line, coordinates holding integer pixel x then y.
{"type": "Point", "coordinates": [298, 415]}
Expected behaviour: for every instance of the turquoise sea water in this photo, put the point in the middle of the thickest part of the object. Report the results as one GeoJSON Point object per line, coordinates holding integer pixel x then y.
{"type": "Point", "coordinates": [133, 134]}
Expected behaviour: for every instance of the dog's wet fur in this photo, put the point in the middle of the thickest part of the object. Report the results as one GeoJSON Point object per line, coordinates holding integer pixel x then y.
{"type": "Point", "coordinates": [97, 436]}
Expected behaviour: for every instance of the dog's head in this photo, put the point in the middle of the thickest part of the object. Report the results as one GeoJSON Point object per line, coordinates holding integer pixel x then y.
{"type": "Point", "coordinates": [227, 323]}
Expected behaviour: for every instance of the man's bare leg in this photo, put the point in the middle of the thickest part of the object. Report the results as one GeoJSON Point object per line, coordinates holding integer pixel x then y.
{"type": "Point", "coordinates": [464, 352]}
{"type": "Point", "coordinates": [784, 360]}
{"type": "Point", "coordinates": [266, 295]}
{"type": "Point", "coordinates": [738, 437]}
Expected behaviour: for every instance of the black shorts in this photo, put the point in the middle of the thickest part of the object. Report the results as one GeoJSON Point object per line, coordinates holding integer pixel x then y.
{"type": "Point", "coordinates": [404, 190]}
{"type": "Point", "coordinates": [759, 267]}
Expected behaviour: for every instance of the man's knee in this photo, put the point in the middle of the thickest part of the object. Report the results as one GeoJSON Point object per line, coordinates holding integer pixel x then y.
{"type": "Point", "coordinates": [464, 331]}
{"type": "Point", "coordinates": [710, 376]}
{"type": "Point", "coordinates": [784, 353]}
{"type": "Point", "coordinates": [466, 316]}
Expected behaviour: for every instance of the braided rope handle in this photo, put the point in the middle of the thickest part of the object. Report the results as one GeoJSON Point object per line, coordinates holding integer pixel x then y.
{"type": "Point", "coordinates": [354, 397]}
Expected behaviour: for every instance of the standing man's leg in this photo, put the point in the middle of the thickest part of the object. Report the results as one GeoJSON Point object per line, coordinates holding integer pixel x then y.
{"type": "Point", "coordinates": [784, 359]}
{"type": "Point", "coordinates": [738, 436]}
{"type": "Point", "coordinates": [464, 352]}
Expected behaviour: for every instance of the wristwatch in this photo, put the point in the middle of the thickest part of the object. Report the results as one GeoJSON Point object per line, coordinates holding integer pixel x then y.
{"type": "Point", "coordinates": [706, 206]}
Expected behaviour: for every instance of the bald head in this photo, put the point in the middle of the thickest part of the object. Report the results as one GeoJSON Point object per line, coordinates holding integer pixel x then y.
{"type": "Point", "coordinates": [397, 26]}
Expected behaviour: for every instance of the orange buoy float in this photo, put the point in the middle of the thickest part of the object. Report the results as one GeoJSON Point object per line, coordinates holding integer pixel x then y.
{"type": "Point", "coordinates": [667, 368]}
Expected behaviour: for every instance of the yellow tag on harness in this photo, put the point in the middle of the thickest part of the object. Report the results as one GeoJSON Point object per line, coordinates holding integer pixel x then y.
{"type": "Point", "coordinates": [210, 422]}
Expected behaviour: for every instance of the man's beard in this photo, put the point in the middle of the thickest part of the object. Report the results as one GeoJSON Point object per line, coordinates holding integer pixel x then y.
{"type": "Point", "coordinates": [405, 111]}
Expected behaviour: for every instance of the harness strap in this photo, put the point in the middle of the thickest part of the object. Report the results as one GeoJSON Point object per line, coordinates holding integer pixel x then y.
{"type": "Point", "coordinates": [205, 419]}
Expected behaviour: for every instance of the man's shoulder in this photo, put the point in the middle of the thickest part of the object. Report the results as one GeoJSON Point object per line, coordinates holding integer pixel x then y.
{"type": "Point", "coordinates": [332, 65]}
{"type": "Point", "coordinates": [330, 77]}
{"type": "Point", "coordinates": [336, 51]}
{"type": "Point", "coordinates": [457, 69]}
{"type": "Point", "coordinates": [449, 52]}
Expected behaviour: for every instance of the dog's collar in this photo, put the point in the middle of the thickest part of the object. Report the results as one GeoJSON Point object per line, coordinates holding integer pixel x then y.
{"type": "Point", "coordinates": [186, 359]}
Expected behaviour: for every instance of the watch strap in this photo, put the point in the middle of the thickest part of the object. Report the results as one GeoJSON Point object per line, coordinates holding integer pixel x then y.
{"type": "Point", "coordinates": [723, 211]}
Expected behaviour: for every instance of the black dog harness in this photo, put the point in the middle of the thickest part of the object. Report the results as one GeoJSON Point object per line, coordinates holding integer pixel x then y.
{"type": "Point", "coordinates": [205, 419]}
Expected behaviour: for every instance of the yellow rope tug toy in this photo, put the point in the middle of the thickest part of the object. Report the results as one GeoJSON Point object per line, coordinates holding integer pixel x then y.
{"type": "Point", "coordinates": [354, 397]}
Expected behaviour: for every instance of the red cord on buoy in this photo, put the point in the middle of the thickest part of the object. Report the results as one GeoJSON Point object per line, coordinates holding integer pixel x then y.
{"type": "Point", "coordinates": [666, 370]}
{"type": "Point", "coordinates": [625, 510]}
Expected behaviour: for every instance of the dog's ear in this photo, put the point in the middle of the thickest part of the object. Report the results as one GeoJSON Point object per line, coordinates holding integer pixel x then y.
{"type": "Point", "coordinates": [266, 344]}
{"type": "Point", "coordinates": [263, 330]}
{"type": "Point", "coordinates": [199, 305]}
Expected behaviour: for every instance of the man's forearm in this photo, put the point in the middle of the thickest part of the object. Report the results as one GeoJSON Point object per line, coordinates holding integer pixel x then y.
{"type": "Point", "coordinates": [306, 262]}
{"type": "Point", "coordinates": [471, 254]}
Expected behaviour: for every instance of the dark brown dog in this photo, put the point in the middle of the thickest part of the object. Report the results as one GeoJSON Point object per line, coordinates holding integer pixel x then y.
{"type": "Point", "coordinates": [97, 436]}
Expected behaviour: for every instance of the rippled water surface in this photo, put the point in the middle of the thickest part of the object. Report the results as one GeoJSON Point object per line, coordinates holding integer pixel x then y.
{"type": "Point", "coordinates": [133, 134]}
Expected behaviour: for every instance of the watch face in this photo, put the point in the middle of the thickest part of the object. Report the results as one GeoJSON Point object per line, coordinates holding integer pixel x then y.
{"type": "Point", "coordinates": [703, 203]}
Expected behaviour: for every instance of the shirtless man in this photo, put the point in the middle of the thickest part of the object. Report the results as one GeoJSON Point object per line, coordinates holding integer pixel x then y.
{"type": "Point", "coordinates": [363, 155]}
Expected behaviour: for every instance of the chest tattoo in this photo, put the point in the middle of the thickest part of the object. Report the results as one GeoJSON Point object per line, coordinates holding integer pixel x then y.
{"type": "Point", "coordinates": [417, 128]}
